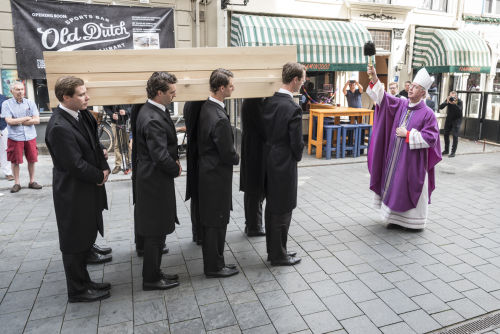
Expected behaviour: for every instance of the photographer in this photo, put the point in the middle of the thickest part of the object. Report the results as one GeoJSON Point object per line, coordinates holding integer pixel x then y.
{"type": "Point", "coordinates": [119, 115]}
{"type": "Point", "coordinates": [452, 123]}
{"type": "Point", "coordinates": [353, 94]}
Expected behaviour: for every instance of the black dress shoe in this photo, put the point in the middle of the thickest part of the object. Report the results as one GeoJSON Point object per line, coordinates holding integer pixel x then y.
{"type": "Point", "coordinates": [445, 152]}
{"type": "Point", "coordinates": [99, 286]}
{"type": "Point", "coordinates": [89, 295]}
{"type": "Point", "coordinates": [162, 284]}
{"type": "Point", "coordinates": [291, 253]}
{"type": "Point", "coordinates": [101, 250]}
{"type": "Point", "coordinates": [288, 261]}
{"type": "Point", "coordinates": [452, 155]}
{"type": "Point", "coordinates": [96, 258]}
{"type": "Point", "coordinates": [140, 252]}
{"type": "Point", "coordinates": [230, 266]}
{"type": "Point", "coordinates": [258, 232]}
{"type": "Point", "coordinates": [224, 272]}
{"type": "Point", "coordinates": [170, 277]}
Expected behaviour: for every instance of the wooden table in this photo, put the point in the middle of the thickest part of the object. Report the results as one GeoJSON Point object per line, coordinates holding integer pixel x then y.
{"type": "Point", "coordinates": [322, 111]}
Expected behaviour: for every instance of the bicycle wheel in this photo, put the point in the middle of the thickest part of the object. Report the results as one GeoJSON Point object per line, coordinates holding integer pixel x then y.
{"type": "Point", "coordinates": [105, 137]}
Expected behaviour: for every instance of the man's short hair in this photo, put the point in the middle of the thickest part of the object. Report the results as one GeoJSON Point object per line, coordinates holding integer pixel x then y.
{"type": "Point", "coordinates": [159, 81]}
{"type": "Point", "coordinates": [15, 83]}
{"type": "Point", "coordinates": [292, 70]}
{"type": "Point", "coordinates": [453, 92]}
{"type": "Point", "coordinates": [408, 82]}
{"type": "Point", "coordinates": [219, 77]}
{"type": "Point", "coordinates": [66, 86]}
{"type": "Point", "coordinates": [392, 84]}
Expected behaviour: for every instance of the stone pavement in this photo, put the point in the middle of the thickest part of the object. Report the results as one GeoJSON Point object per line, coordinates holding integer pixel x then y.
{"type": "Point", "coordinates": [356, 275]}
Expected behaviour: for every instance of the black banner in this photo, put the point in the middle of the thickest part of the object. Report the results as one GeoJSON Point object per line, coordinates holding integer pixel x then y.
{"type": "Point", "coordinates": [64, 26]}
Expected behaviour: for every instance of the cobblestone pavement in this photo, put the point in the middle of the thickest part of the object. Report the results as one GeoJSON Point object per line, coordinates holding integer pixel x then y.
{"type": "Point", "coordinates": [356, 275]}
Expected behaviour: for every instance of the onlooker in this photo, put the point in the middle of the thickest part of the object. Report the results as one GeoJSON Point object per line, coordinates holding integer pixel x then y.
{"type": "Point", "coordinates": [393, 90]}
{"type": "Point", "coordinates": [452, 123]}
{"type": "Point", "coordinates": [6, 168]}
{"type": "Point", "coordinates": [404, 92]}
{"type": "Point", "coordinates": [119, 115]}
{"type": "Point", "coordinates": [429, 102]}
{"type": "Point", "coordinates": [21, 116]}
{"type": "Point", "coordinates": [353, 95]}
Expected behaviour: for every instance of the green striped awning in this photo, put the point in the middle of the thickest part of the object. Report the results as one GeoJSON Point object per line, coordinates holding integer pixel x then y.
{"type": "Point", "coordinates": [321, 44]}
{"type": "Point", "coordinates": [443, 51]}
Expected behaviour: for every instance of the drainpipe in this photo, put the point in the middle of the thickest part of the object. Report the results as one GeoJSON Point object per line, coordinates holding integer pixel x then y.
{"type": "Point", "coordinates": [197, 18]}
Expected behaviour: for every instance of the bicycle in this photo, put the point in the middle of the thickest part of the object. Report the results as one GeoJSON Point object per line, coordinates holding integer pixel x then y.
{"type": "Point", "coordinates": [104, 130]}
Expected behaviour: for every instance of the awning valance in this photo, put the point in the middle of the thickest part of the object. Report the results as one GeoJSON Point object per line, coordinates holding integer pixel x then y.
{"type": "Point", "coordinates": [336, 45]}
{"type": "Point", "coordinates": [444, 51]}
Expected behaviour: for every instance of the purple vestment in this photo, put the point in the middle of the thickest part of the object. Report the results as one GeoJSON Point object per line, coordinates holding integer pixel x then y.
{"type": "Point", "coordinates": [397, 174]}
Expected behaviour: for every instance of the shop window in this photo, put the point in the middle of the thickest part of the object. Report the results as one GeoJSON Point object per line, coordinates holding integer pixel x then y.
{"type": "Point", "coordinates": [438, 5]}
{"type": "Point", "coordinates": [496, 82]}
{"type": "Point", "coordinates": [41, 94]}
{"type": "Point", "coordinates": [492, 7]}
{"type": "Point", "coordinates": [382, 40]}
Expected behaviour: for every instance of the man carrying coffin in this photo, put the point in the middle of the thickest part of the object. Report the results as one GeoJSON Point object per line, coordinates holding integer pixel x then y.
{"type": "Point", "coordinates": [216, 157]}
{"type": "Point", "coordinates": [79, 173]}
{"type": "Point", "coordinates": [403, 152]}
{"type": "Point", "coordinates": [281, 122]}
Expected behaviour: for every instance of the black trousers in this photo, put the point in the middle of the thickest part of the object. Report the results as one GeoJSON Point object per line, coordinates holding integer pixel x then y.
{"type": "Point", "coordinates": [77, 275]}
{"type": "Point", "coordinates": [195, 221]}
{"type": "Point", "coordinates": [139, 242]}
{"type": "Point", "coordinates": [214, 239]}
{"type": "Point", "coordinates": [277, 226]}
{"type": "Point", "coordinates": [153, 247]}
{"type": "Point", "coordinates": [452, 127]}
{"type": "Point", "coordinates": [253, 210]}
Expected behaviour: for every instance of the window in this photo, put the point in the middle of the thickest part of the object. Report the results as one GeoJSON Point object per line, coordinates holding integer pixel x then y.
{"type": "Point", "coordinates": [382, 39]}
{"type": "Point", "coordinates": [492, 6]}
{"type": "Point", "coordinates": [439, 5]}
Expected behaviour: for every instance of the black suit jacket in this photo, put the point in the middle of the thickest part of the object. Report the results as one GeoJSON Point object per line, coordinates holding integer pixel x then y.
{"type": "Point", "coordinates": [281, 122]}
{"type": "Point", "coordinates": [156, 140]}
{"type": "Point", "coordinates": [216, 157]}
{"type": "Point", "coordinates": [78, 168]}
{"type": "Point", "coordinates": [252, 142]}
{"type": "Point", "coordinates": [191, 114]}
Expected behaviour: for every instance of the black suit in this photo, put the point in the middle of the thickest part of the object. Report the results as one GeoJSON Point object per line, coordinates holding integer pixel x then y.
{"type": "Point", "coordinates": [155, 206]}
{"type": "Point", "coordinates": [282, 125]}
{"type": "Point", "coordinates": [216, 157]}
{"type": "Point", "coordinates": [452, 123]}
{"type": "Point", "coordinates": [191, 114]}
{"type": "Point", "coordinates": [78, 201]}
{"type": "Point", "coordinates": [251, 162]}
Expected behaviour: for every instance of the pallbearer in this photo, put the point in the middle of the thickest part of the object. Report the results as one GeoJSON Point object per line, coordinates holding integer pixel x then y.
{"type": "Point", "coordinates": [283, 145]}
{"type": "Point", "coordinates": [216, 158]}
{"type": "Point", "coordinates": [251, 163]}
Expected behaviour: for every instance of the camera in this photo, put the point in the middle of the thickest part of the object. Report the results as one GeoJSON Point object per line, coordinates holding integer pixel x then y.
{"type": "Point", "coordinates": [452, 99]}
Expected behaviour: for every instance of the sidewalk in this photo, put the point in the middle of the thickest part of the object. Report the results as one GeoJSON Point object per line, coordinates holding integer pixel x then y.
{"type": "Point", "coordinates": [356, 276]}
{"type": "Point", "coordinates": [44, 166]}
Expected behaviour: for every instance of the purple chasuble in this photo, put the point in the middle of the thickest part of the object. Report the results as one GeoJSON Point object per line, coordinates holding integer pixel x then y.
{"type": "Point", "coordinates": [397, 174]}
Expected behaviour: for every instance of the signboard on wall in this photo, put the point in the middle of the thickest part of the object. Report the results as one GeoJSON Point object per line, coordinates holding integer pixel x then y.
{"type": "Point", "coordinates": [51, 26]}
{"type": "Point", "coordinates": [8, 77]}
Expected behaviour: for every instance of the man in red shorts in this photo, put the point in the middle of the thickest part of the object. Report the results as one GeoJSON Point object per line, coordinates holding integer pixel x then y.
{"type": "Point", "coordinates": [21, 116]}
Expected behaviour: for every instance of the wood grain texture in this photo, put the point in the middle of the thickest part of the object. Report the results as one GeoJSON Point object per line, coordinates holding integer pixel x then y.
{"type": "Point", "coordinates": [120, 76]}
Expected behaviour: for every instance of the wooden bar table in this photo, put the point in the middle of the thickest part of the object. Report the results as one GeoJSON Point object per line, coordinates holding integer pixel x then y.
{"type": "Point", "coordinates": [325, 110]}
